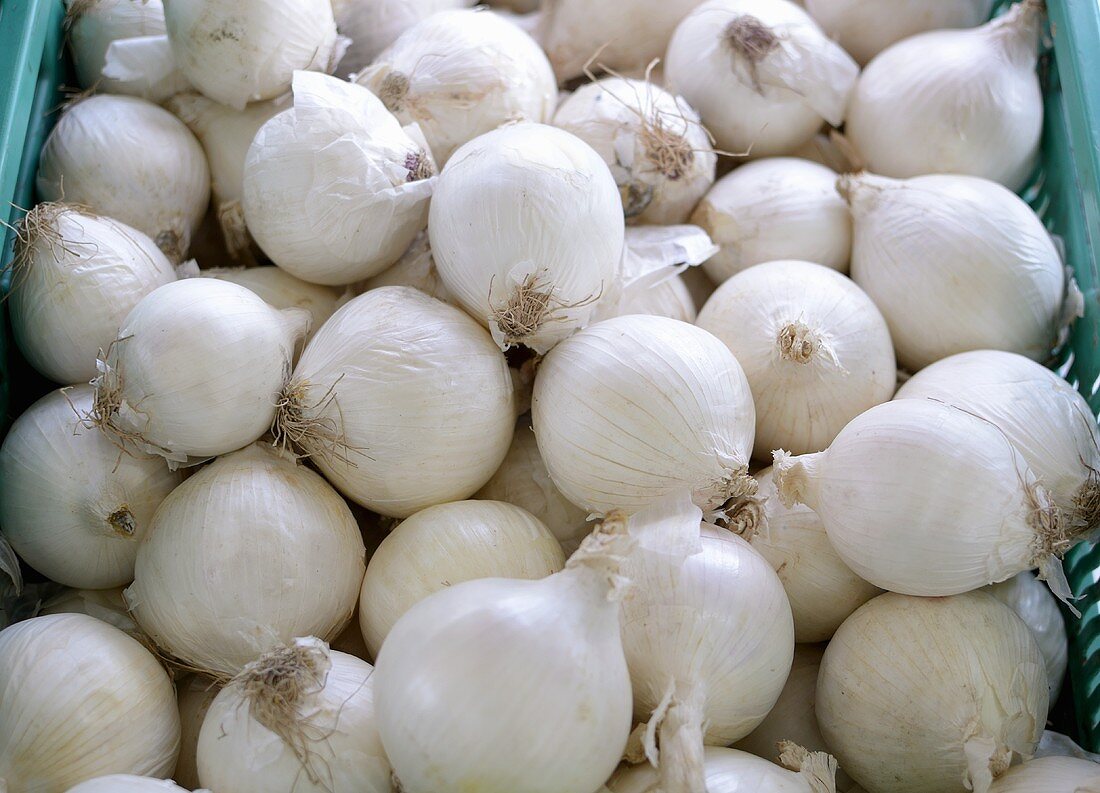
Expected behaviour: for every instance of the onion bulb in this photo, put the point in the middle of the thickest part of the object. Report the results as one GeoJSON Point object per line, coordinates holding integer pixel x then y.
{"type": "Point", "coordinates": [445, 545]}
{"type": "Point", "coordinates": [373, 25]}
{"type": "Point", "coordinates": [908, 713]}
{"type": "Point", "coordinates": [635, 407]}
{"type": "Point", "coordinates": [815, 349]}
{"type": "Point", "coordinates": [1033, 603]}
{"type": "Point", "coordinates": [302, 718]}
{"type": "Point", "coordinates": [75, 277]}
{"type": "Point", "coordinates": [93, 25]}
{"type": "Point", "coordinates": [334, 188]}
{"type": "Point", "coordinates": [922, 498]}
{"type": "Point", "coordinates": [127, 783]}
{"type": "Point", "coordinates": [196, 370]}
{"type": "Point", "coordinates": [132, 161]}
{"type": "Point", "coordinates": [72, 505]}
{"type": "Point", "coordinates": [733, 771]}
{"type": "Point", "coordinates": [415, 268]}
{"type": "Point", "coordinates": [194, 696]}
{"type": "Point", "coordinates": [401, 401]}
{"type": "Point", "coordinates": [954, 101]}
{"type": "Point", "coordinates": [526, 227]}
{"type": "Point", "coordinates": [460, 74]}
{"type": "Point", "coordinates": [761, 74]}
{"type": "Point", "coordinates": [251, 551]}
{"type": "Point", "coordinates": [772, 209]}
{"type": "Point", "coordinates": [81, 700]}
{"type": "Point", "coordinates": [280, 289]}
{"type": "Point", "coordinates": [1050, 775]}
{"type": "Point", "coordinates": [653, 142]}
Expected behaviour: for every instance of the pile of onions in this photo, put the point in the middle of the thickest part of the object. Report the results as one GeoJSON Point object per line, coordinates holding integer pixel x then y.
{"type": "Point", "coordinates": [1031, 600]}
{"type": "Point", "coordinates": [460, 74]}
{"type": "Point", "coordinates": [772, 209]}
{"type": "Point", "coordinates": [53, 668]}
{"type": "Point", "coordinates": [280, 289]}
{"type": "Point", "coordinates": [372, 26]}
{"type": "Point", "coordinates": [908, 713]}
{"type": "Point", "coordinates": [127, 783]}
{"type": "Point", "coordinates": [734, 771]}
{"type": "Point", "coordinates": [526, 227]}
{"type": "Point", "coordinates": [761, 73]}
{"type": "Point", "coordinates": [815, 349]}
{"type": "Point", "coordinates": [954, 101]}
{"type": "Point", "coordinates": [75, 277]}
{"type": "Point", "coordinates": [301, 717]}
{"type": "Point", "coordinates": [72, 505]}
{"type": "Point", "coordinates": [955, 263]}
{"type": "Point", "coordinates": [297, 562]}
{"type": "Point", "coordinates": [194, 697]}
{"type": "Point", "coordinates": [160, 187]}
{"type": "Point", "coordinates": [1050, 775]}
{"type": "Point", "coordinates": [445, 545]}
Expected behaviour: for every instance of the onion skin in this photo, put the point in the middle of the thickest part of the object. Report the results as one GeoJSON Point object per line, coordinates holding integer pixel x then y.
{"type": "Point", "coordinates": [1050, 775]}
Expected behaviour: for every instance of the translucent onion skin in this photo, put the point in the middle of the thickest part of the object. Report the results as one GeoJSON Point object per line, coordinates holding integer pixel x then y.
{"type": "Point", "coordinates": [908, 715]}
{"type": "Point", "coordinates": [127, 783]}
{"type": "Point", "coordinates": [727, 771]}
{"type": "Point", "coordinates": [104, 604]}
{"type": "Point", "coordinates": [1036, 606]}
{"type": "Point", "coordinates": [81, 700]}
{"type": "Point", "coordinates": [93, 26]}
{"type": "Point", "coordinates": [194, 696]}
{"type": "Point", "coordinates": [1050, 775]}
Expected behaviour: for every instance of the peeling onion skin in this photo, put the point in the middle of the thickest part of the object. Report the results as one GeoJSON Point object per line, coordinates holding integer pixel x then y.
{"type": "Point", "coordinates": [1050, 775]}
{"type": "Point", "coordinates": [92, 28]}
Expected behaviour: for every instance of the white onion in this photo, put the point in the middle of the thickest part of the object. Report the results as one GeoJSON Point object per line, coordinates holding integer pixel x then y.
{"type": "Point", "coordinates": [401, 401]}
{"type": "Point", "coordinates": [1032, 601]}
{"type": "Point", "coordinates": [72, 505]}
{"type": "Point", "coordinates": [334, 188]}
{"type": "Point", "coordinates": [127, 783]}
{"type": "Point", "coordinates": [252, 551]}
{"type": "Point", "coordinates": [75, 277]}
{"type": "Point", "coordinates": [445, 545]}
{"type": "Point", "coordinates": [761, 74]}
{"type": "Point", "coordinates": [81, 700]}
{"type": "Point", "coordinates": [373, 25]}
{"type": "Point", "coordinates": [636, 407]}
{"type": "Point", "coordinates": [775, 208]}
{"type": "Point", "coordinates": [955, 263]}
{"type": "Point", "coordinates": [415, 268]}
{"type": "Point", "coordinates": [1050, 775]}
{"type": "Point", "coordinates": [931, 695]}
{"type": "Point", "coordinates": [194, 697]}
{"type": "Point", "coordinates": [92, 27]}
{"type": "Point", "coordinates": [653, 142]}
{"type": "Point", "coordinates": [954, 101]}
{"type": "Point", "coordinates": [459, 74]}
{"type": "Point", "coordinates": [300, 718]}
{"type": "Point", "coordinates": [822, 590]}
{"type": "Point", "coordinates": [733, 771]}
{"type": "Point", "coordinates": [196, 370]}
{"type": "Point", "coordinates": [526, 227]}
{"type": "Point", "coordinates": [280, 289]}
{"type": "Point", "coordinates": [132, 161]}
{"type": "Point", "coordinates": [107, 605]}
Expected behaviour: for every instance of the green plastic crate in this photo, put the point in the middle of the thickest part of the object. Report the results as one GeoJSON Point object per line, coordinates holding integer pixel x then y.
{"type": "Point", "coordinates": [1065, 192]}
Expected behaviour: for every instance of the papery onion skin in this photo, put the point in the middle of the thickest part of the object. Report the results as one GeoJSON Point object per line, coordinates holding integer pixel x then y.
{"type": "Point", "coordinates": [909, 715]}
{"type": "Point", "coordinates": [282, 290]}
{"type": "Point", "coordinates": [1050, 775]}
{"type": "Point", "coordinates": [81, 699]}
{"type": "Point", "coordinates": [1036, 606]}
{"type": "Point", "coordinates": [107, 605]}
{"type": "Point", "coordinates": [727, 771]}
{"type": "Point", "coordinates": [127, 783]}
{"type": "Point", "coordinates": [92, 26]}
{"type": "Point", "coordinates": [194, 695]}
{"type": "Point", "coordinates": [373, 25]}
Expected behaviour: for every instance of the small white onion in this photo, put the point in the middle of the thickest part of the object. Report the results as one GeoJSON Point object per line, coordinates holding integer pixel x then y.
{"type": "Point", "coordinates": [657, 149]}
{"type": "Point", "coordinates": [733, 771]}
{"type": "Point", "coordinates": [1050, 775]}
{"type": "Point", "coordinates": [954, 101]}
{"type": "Point", "coordinates": [373, 25]}
{"type": "Point", "coordinates": [194, 697]}
{"type": "Point", "coordinates": [127, 783]}
{"type": "Point", "coordinates": [775, 208]}
{"type": "Point", "coordinates": [296, 552]}
{"type": "Point", "coordinates": [280, 289]}
{"type": "Point", "coordinates": [130, 160]}
{"type": "Point", "coordinates": [81, 700]}
{"type": "Point", "coordinates": [931, 695]}
{"type": "Point", "coordinates": [445, 545]}
{"type": "Point", "coordinates": [459, 74]}
{"type": "Point", "coordinates": [94, 24]}
{"type": "Point", "coordinates": [526, 227]}
{"type": "Point", "coordinates": [1031, 600]}
{"type": "Point", "coordinates": [334, 188]}
{"type": "Point", "coordinates": [301, 718]}
{"type": "Point", "coordinates": [415, 268]}
{"type": "Point", "coordinates": [761, 73]}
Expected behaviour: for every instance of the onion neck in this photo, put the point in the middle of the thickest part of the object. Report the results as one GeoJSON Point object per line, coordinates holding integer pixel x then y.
{"type": "Point", "coordinates": [798, 343]}
{"type": "Point", "coordinates": [796, 477]}
{"type": "Point", "coordinates": [601, 555]}
{"type": "Point", "coordinates": [818, 769]}
{"type": "Point", "coordinates": [122, 522]}
{"type": "Point", "coordinates": [746, 517]}
{"type": "Point", "coordinates": [680, 758]}
{"type": "Point", "coordinates": [1017, 32]}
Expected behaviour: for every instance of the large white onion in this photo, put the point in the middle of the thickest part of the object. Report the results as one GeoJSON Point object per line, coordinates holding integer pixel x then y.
{"type": "Point", "coordinates": [459, 74]}
{"type": "Point", "coordinates": [373, 25]}
{"type": "Point", "coordinates": [250, 552]}
{"type": "Point", "coordinates": [282, 290]}
{"type": "Point", "coordinates": [635, 407]}
{"type": "Point", "coordinates": [761, 74]}
{"type": "Point", "coordinates": [194, 697]}
{"type": "Point", "coordinates": [81, 700]}
{"type": "Point", "coordinates": [955, 263]}
{"type": "Point", "coordinates": [931, 695]}
{"type": "Point", "coordinates": [130, 160]}
{"type": "Point", "coordinates": [1050, 775]}
{"type": "Point", "coordinates": [1031, 600]}
{"type": "Point", "coordinates": [401, 401]}
{"type": "Point", "coordinates": [954, 101]}
{"type": "Point", "coordinates": [127, 783]}
{"type": "Point", "coordinates": [526, 227]}
{"type": "Point", "coordinates": [733, 771]}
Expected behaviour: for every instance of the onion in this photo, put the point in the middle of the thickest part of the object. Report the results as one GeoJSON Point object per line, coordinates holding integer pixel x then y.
{"type": "Point", "coordinates": [280, 289]}
{"type": "Point", "coordinates": [75, 277]}
{"type": "Point", "coordinates": [195, 695]}
{"type": "Point", "coordinates": [132, 161]}
{"type": "Point", "coordinates": [107, 605]}
{"type": "Point", "coordinates": [776, 208]}
{"type": "Point", "coordinates": [252, 551]}
{"type": "Point", "coordinates": [81, 700]}
{"type": "Point", "coordinates": [733, 771]}
{"type": "Point", "coordinates": [909, 713]}
{"type": "Point", "coordinates": [127, 783]}
{"type": "Point", "coordinates": [445, 545]}
{"type": "Point", "coordinates": [761, 74]}
{"type": "Point", "coordinates": [401, 401]}
{"type": "Point", "coordinates": [954, 101]}
{"type": "Point", "coordinates": [815, 350]}
{"type": "Point", "coordinates": [1033, 603]}
{"type": "Point", "coordinates": [636, 407]}
{"type": "Point", "coordinates": [144, 66]}
{"type": "Point", "coordinates": [1050, 775]}
{"type": "Point", "coordinates": [415, 268]}
{"type": "Point", "coordinates": [653, 142]}
{"type": "Point", "coordinates": [459, 74]}
{"type": "Point", "coordinates": [373, 25]}
{"type": "Point", "coordinates": [300, 718]}
{"type": "Point", "coordinates": [526, 227]}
